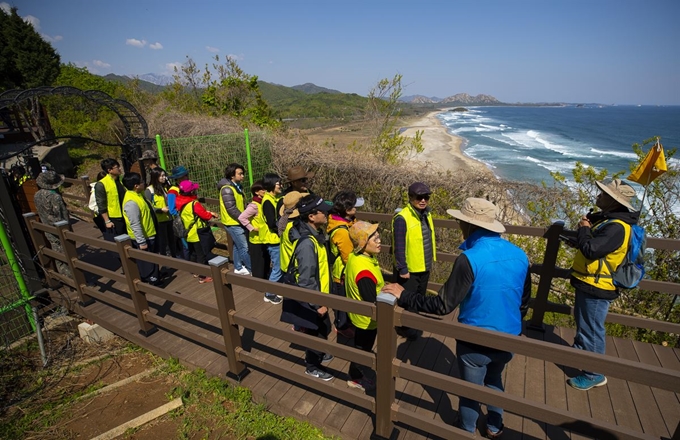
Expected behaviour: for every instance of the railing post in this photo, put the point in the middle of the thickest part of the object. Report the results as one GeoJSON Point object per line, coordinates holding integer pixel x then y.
{"type": "Point", "coordinates": [84, 179]}
{"type": "Point", "coordinates": [225, 304]}
{"type": "Point", "coordinates": [387, 351]}
{"type": "Point", "coordinates": [123, 242]}
{"type": "Point", "coordinates": [71, 252]}
{"type": "Point", "coordinates": [40, 242]}
{"type": "Point", "coordinates": [552, 247]}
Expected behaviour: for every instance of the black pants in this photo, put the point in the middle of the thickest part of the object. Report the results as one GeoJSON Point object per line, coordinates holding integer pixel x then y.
{"type": "Point", "coordinates": [417, 282]}
{"type": "Point", "coordinates": [147, 270]}
{"type": "Point", "coordinates": [166, 239]}
{"type": "Point", "coordinates": [313, 358]}
{"type": "Point", "coordinates": [118, 229]}
{"type": "Point", "coordinates": [363, 340]}
{"type": "Point", "coordinates": [259, 260]}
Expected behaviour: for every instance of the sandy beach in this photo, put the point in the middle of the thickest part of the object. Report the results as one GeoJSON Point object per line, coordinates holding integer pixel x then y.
{"type": "Point", "coordinates": [441, 149]}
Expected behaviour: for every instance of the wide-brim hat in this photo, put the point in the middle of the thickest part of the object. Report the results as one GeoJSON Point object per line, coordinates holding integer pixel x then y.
{"type": "Point", "coordinates": [620, 191]}
{"type": "Point", "coordinates": [49, 180]}
{"type": "Point", "coordinates": [178, 171]}
{"type": "Point", "coordinates": [478, 212]}
{"type": "Point", "coordinates": [360, 232]}
{"type": "Point", "coordinates": [297, 173]}
{"type": "Point", "coordinates": [289, 201]}
{"type": "Point", "coordinates": [149, 154]}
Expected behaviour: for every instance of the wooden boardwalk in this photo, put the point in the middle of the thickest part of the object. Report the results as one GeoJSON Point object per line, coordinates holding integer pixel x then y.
{"type": "Point", "coordinates": [653, 411]}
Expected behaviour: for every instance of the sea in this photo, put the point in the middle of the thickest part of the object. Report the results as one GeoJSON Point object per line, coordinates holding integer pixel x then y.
{"type": "Point", "coordinates": [528, 143]}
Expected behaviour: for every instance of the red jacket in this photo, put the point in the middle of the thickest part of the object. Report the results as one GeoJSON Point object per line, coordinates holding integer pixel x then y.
{"type": "Point", "coordinates": [199, 210]}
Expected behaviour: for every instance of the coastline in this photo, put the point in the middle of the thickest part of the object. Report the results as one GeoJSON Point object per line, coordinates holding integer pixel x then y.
{"type": "Point", "coordinates": [440, 148]}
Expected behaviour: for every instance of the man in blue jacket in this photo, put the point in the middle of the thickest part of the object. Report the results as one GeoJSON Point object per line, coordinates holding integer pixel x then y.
{"type": "Point", "coordinates": [487, 300]}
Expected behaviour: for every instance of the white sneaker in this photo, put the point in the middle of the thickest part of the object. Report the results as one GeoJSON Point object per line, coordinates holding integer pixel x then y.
{"type": "Point", "coordinates": [242, 271]}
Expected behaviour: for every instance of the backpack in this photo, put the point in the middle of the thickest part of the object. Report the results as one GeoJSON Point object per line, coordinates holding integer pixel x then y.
{"type": "Point", "coordinates": [289, 276]}
{"type": "Point", "coordinates": [178, 225]}
{"type": "Point", "coordinates": [92, 203]}
{"type": "Point", "coordinates": [632, 268]}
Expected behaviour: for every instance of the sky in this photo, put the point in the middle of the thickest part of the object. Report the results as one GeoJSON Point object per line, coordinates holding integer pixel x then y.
{"type": "Point", "coordinates": [590, 51]}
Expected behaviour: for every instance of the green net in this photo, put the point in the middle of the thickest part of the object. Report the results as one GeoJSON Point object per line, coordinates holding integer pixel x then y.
{"type": "Point", "coordinates": [206, 157]}
{"type": "Point", "coordinates": [14, 321]}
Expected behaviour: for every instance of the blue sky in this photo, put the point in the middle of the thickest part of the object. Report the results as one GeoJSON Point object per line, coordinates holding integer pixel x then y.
{"type": "Point", "coordinates": [619, 51]}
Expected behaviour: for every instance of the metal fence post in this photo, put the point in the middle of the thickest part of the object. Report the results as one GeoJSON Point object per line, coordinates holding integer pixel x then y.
{"type": "Point", "coordinates": [225, 304]}
{"type": "Point", "coordinates": [547, 273]}
{"type": "Point", "coordinates": [71, 252]}
{"type": "Point", "coordinates": [132, 276]}
{"type": "Point", "coordinates": [386, 352]}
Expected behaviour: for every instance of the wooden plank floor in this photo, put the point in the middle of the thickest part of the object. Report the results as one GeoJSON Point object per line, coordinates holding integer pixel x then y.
{"type": "Point", "coordinates": [642, 408]}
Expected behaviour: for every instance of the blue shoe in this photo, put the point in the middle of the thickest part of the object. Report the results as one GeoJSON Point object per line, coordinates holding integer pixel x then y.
{"type": "Point", "coordinates": [584, 383]}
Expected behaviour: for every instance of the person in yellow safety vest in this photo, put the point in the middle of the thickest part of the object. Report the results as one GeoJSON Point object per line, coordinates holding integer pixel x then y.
{"type": "Point", "coordinates": [19, 176]}
{"type": "Point", "coordinates": [288, 214]}
{"type": "Point", "coordinates": [195, 218]}
{"type": "Point", "coordinates": [249, 218]}
{"type": "Point", "coordinates": [141, 225]}
{"type": "Point", "coordinates": [157, 194]}
{"type": "Point", "coordinates": [600, 235]}
{"type": "Point", "coordinates": [232, 204]}
{"type": "Point", "coordinates": [413, 245]}
{"type": "Point", "coordinates": [267, 218]}
{"type": "Point", "coordinates": [108, 194]}
{"type": "Point", "coordinates": [341, 217]}
{"type": "Point", "coordinates": [363, 282]}
{"type": "Point", "coordinates": [310, 265]}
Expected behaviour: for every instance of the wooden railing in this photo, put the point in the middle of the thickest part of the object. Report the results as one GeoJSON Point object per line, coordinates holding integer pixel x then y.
{"type": "Point", "coordinates": [384, 361]}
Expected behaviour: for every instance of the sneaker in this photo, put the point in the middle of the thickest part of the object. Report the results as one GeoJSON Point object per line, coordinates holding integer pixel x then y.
{"type": "Point", "coordinates": [296, 328]}
{"type": "Point", "coordinates": [362, 384]}
{"type": "Point", "coordinates": [319, 373]}
{"type": "Point", "coordinates": [583, 383]}
{"type": "Point", "coordinates": [327, 357]}
{"type": "Point", "coordinates": [347, 332]}
{"type": "Point", "coordinates": [205, 280]}
{"type": "Point", "coordinates": [242, 271]}
{"type": "Point", "coordinates": [271, 298]}
{"type": "Point", "coordinates": [491, 434]}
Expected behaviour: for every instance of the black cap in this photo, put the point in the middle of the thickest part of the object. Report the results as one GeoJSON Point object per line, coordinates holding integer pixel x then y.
{"type": "Point", "coordinates": [315, 204]}
{"type": "Point", "coordinates": [419, 189]}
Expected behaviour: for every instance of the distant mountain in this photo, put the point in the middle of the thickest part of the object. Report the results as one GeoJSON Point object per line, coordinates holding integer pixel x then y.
{"type": "Point", "coordinates": [459, 99]}
{"type": "Point", "coordinates": [311, 89]}
{"type": "Point", "coordinates": [144, 85]}
{"type": "Point", "coordinates": [155, 78]}
{"type": "Point", "coordinates": [420, 99]}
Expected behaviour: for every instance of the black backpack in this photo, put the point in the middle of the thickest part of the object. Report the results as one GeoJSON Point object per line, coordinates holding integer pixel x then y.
{"type": "Point", "coordinates": [178, 225]}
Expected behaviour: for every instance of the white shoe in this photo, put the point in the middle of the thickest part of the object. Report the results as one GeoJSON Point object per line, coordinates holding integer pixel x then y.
{"type": "Point", "coordinates": [242, 271]}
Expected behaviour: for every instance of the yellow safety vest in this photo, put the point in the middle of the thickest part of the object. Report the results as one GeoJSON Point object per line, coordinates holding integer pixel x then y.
{"type": "Point", "coordinates": [254, 236]}
{"type": "Point", "coordinates": [188, 217]}
{"type": "Point", "coordinates": [267, 236]}
{"type": "Point", "coordinates": [356, 264]}
{"type": "Point", "coordinates": [145, 214]}
{"type": "Point", "coordinates": [160, 201]}
{"type": "Point", "coordinates": [322, 261]}
{"type": "Point", "coordinates": [415, 253]}
{"type": "Point", "coordinates": [225, 218]}
{"type": "Point", "coordinates": [113, 208]}
{"type": "Point", "coordinates": [595, 272]}
{"type": "Point", "coordinates": [338, 265]}
{"type": "Point", "coordinates": [22, 179]}
{"type": "Point", "coordinates": [286, 248]}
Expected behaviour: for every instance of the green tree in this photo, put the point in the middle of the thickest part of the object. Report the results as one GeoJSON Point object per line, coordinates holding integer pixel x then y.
{"type": "Point", "coordinates": [26, 59]}
{"type": "Point", "coordinates": [382, 114]}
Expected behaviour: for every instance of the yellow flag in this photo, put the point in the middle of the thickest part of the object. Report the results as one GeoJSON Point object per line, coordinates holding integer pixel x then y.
{"type": "Point", "coordinates": [651, 167]}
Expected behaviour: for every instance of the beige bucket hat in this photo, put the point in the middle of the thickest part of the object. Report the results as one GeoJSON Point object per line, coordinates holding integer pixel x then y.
{"type": "Point", "coordinates": [289, 201]}
{"type": "Point", "coordinates": [619, 191]}
{"type": "Point", "coordinates": [478, 212]}
{"type": "Point", "coordinates": [360, 232]}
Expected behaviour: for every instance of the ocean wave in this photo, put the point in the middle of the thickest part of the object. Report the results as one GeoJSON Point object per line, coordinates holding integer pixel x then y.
{"type": "Point", "coordinates": [621, 154]}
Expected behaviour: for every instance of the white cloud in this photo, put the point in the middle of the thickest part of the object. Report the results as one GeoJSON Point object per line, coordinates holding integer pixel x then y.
{"type": "Point", "coordinates": [212, 49]}
{"type": "Point", "coordinates": [34, 21]}
{"type": "Point", "coordinates": [6, 7]}
{"type": "Point", "coordinates": [156, 46]}
{"type": "Point", "coordinates": [236, 57]}
{"type": "Point", "coordinates": [51, 39]}
{"type": "Point", "coordinates": [101, 64]}
{"type": "Point", "coordinates": [170, 67]}
{"type": "Point", "coordinates": [135, 42]}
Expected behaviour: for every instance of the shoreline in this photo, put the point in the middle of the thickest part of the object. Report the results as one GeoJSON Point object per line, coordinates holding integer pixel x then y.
{"type": "Point", "coordinates": [442, 149]}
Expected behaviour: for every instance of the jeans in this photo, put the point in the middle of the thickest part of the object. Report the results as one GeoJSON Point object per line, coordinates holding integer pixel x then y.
{"type": "Point", "coordinates": [240, 251]}
{"type": "Point", "coordinates": [590, 313]}
{"type": "Point", "coordinates": [482, 366]}
{"type": "Point", "coordinates": [274, 251]}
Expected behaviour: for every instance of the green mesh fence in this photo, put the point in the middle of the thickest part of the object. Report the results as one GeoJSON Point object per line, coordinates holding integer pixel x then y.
{"type": "Point", "coordinates": [206, 157]}
{"type": "Point", "coordinates": [14, 321]}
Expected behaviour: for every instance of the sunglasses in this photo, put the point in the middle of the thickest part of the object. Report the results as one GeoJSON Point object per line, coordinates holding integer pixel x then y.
{"type": "Point", "coordinates": [422, 197]}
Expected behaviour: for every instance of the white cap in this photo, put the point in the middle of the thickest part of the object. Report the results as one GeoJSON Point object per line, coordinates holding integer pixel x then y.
{"type": "Point", "coordinates": [359, 203]}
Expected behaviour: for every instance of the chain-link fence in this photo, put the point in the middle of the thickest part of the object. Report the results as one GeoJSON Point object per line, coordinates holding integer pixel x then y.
{"type": "Point", "coordinates": [206, 157]}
